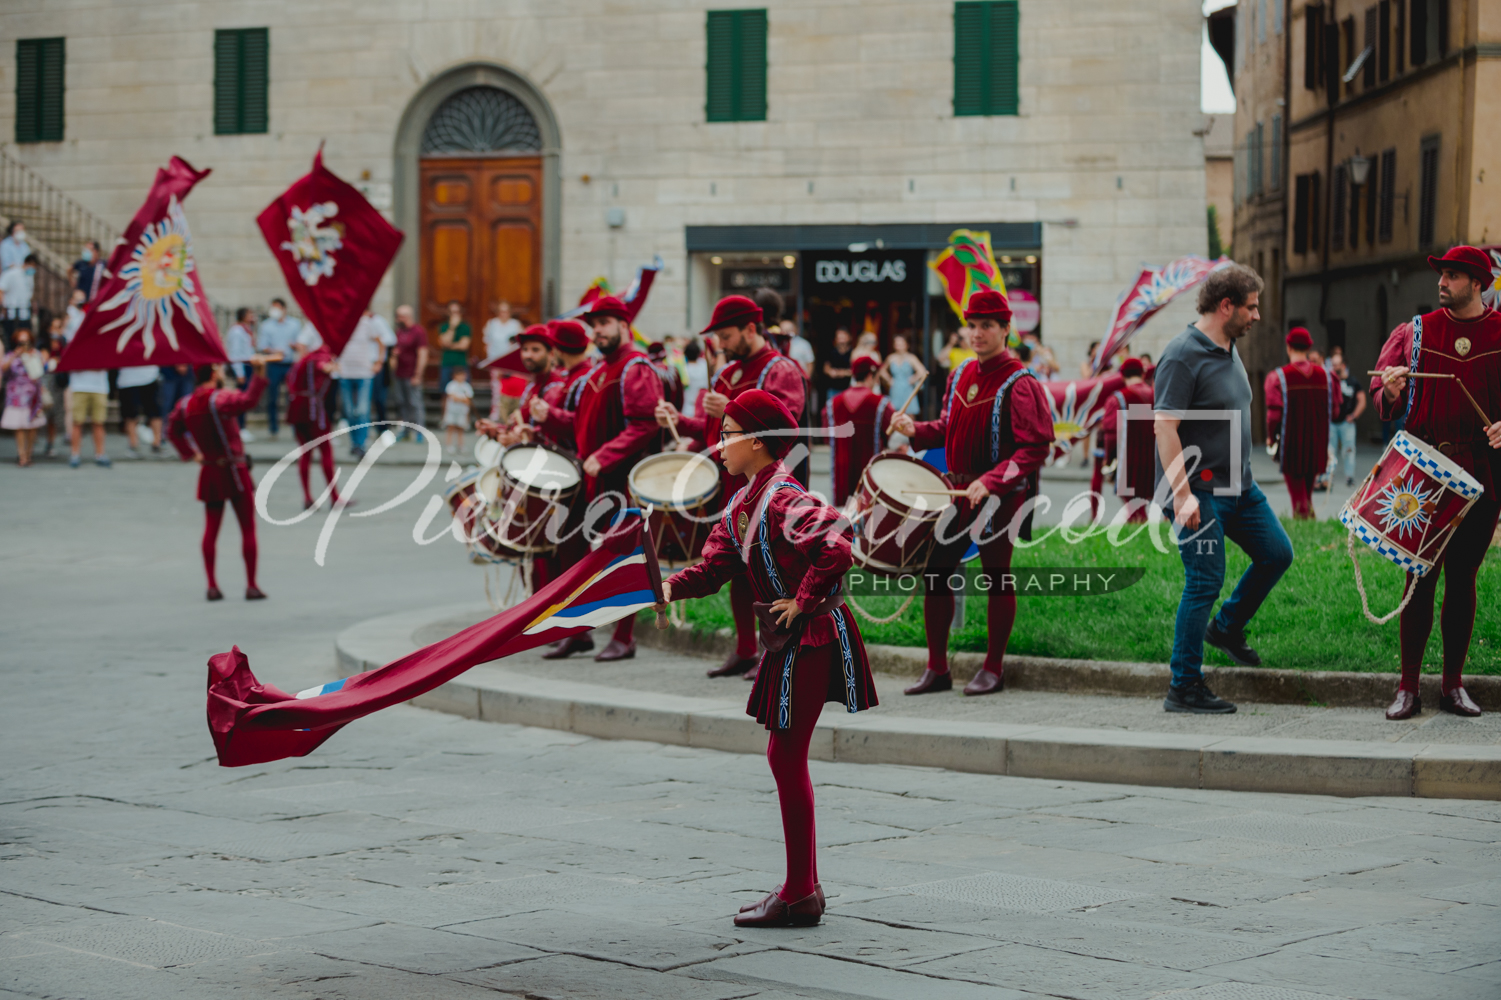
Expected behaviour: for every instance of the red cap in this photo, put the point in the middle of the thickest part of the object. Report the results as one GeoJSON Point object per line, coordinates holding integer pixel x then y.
{"type": "Point", "coordinates": [1299, 339]}
{"type": "Point", "coordinates": [733, 310]}
{"type": "Point", "coordinates": [536, 332]}
{"type": "Point", "coordinates": [607, 305]}
{"type": "Point", "coordinates": [1132, 368]}
{"type": "Point", "coordinates": [862, 367]}
{"type": "Point", "coordinates": [569, 336]}
{"type": "Point", "coordinates": [758, 411]}
{"type": "Point", "coordinates": [1467, 260]}
{"type": "Point", "coordinates": [987, 304]}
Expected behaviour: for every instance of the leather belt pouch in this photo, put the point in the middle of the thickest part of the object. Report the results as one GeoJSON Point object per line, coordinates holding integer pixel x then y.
{"type": "Point", "coordinates": [775, 636]}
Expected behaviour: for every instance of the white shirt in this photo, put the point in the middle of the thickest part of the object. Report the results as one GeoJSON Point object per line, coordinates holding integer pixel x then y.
{"type": "Point", "coordinates": [238, 344]}
{"type": "Point", "coordinates": [74, 321]}
{"type": "Point", "coordinates": [13, 252]}
{"type": "Point", "coordinates": [360, 355]}
{"type": "Point", "coordinates": [500, 336]}
{"type": "Point", "coordinates": [308, 337]}
{"type": "Point", "coordinates": [94, 380]}
{"type": "Point", "coordinates": [801, 351]}
{"type": "Point", "coordinates": [383, 331]}
{"type": "Point", "coordinates": [136, 375]}
{"type": "Point", "coordinates": [15, 286]}
{"type": "Point", "coordinates": [696, 382]}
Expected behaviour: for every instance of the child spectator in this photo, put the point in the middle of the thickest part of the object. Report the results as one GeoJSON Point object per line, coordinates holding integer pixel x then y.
{"type": "Point", "coordinates": [458, 397]}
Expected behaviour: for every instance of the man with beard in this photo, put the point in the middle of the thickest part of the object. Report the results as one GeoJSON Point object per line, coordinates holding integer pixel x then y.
{"type": "Point", "coordinates": [1463, 339]}
{"type": "Point", "coordinates": [534, 348]}
{"type": "Point", "coordinates": [754, 364]}
{"type": "Point", "coordinates": [1203, 402]}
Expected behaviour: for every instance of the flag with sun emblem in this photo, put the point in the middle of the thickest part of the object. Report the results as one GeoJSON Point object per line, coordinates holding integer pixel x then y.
{"type": "Point", "coordinates": [333, 247]}
{"type": "Point", "coordinates": [1148, 294]}
{"type": "Point", "coordinates": [152, 309]}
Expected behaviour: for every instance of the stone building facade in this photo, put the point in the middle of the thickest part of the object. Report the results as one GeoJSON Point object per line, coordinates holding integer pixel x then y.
{"type": "Point", "coordinates": [860, 151]}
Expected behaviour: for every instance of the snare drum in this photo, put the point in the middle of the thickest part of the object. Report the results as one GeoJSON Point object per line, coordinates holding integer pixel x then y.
{"type": "Point", "coordinates": [469, 496]}
{"type": "Point", "coordinates": [1410, 504]}
{"type": "Point", "coordinates": [894, 519]}
{"type": "Point", "coordinates": [681, 488]}
{"type": "Point", "coordinates": [487, 451]}
{"type": "Point", "coordinates": [533, 483]}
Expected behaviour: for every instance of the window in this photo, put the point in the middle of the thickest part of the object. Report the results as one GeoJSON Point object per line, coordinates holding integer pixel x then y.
{"type": "Point", "coordinates": [39, 89]}
{"type": "Point", "coordinates": [1276, 153]}
{"type": "Point", "coordinates": [985, 58]}
{"type": "Point", "coordinates": [1355, 192]}
{"type": "Point", "coordinates": [1313, 45]}
{"type": "Point", "coordinates": [1388, 195]}
{"type": "Point", "coordinates": [241, 56]}
{"type": "Point", "coordinates": [1368, 71]}
{"type": "Point", "coordinates": [1347, 31]}
{"type": "Point", "coordinates": [1372, 185]}
{"type": "Point", "coordinates": [1301, 185]}
{"type": "Point", "coordinates": [736, 69]}
{"type": "Point", "coordinates": [1428, 32]}
{"type": "Point", "coordinates": [1428, 191]}
{"type": "Point", "coordinates": [1314, 218]}
{"type": "Point", "coordinates": [1384, 41]}
{"type": "Point", "coordinates": [1337, 192]}
{"type": "Point", "coordinates": [1399, 30]}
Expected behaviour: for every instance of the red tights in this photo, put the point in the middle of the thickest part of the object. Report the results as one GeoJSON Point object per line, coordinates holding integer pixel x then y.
{"type": "Point", "coordinates": [741, 599]}
{"type": "Point", "coordinates": [1460, 565]}
{"type": "Point", "coordinates": [1300, 490]}
{"type": "Point", "coordinates": [787, 753]}
{"type": "Point", "coordinates": [213, 511]}
{"type": "Point", "coordinates": [938, 609]}
{"type": "Point", "coordinates": [305, 462]}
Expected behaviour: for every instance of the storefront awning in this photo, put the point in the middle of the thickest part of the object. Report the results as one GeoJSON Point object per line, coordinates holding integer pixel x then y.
{"type": "Point", "coordinates": [896, 236]}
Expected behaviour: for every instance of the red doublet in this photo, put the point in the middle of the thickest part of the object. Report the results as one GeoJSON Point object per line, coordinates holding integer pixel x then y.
{"type": "Point", "coordinates": [562, 398]}
{"type": "Point", "coordinates": [615, 420]}
{"type": "Point", "coordinates": [307, 391]}
{"type": "Point", "coordinates": [537, 387]}
{"type": "Point", "coordinates": [793, 545]}
{"type": "Point", "coordinates": [869, 414]}
{"type": "Point", "coordinates": [996, 425]}
{"type": "Point", "coordinates": [1301, 401]}
{"type": "Point", "coordinates": [1134, 477]}
{"type": "Point", "coordinates": [206, 419]}
{"type": "Point", "coordinates": [766, 369]}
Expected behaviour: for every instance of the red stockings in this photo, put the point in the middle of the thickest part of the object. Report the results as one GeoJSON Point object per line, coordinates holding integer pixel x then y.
{"type": "Point", "coordinates": [1300, 491]}
{"type": "Point", "coordinates": [1000, 616]}
{"type": "Point", "coordinates": [1460, 565]}
{"type": "Point", "coordinates": [787, 753]}
{"type": "Point", "coordinates": [213, 511]}
{"type": "Point", "coordinates": [325, 451]}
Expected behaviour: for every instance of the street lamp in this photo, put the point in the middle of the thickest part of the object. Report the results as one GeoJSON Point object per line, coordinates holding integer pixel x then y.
{"type": "Point", "coordinates": [1360, 168]}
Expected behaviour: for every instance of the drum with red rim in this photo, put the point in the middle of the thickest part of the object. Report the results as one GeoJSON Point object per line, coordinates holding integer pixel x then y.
{"type": "Point", "coordinates": [682, 490]}
{"type": "Point", "coordinates": [467, 502]}
{"type": "Point", "coordinates": [1410, 504]}
{"type": "Point", "coordinates": [532, 485]}
{"type": "Point", "coordinates": [896, 509]}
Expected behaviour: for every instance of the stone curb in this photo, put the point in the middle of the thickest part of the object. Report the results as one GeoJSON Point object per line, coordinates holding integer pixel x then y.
{"type": "Point", "coordinates": [1337, 689]}
{"type": "Point", "coordinates": [1325, 767]}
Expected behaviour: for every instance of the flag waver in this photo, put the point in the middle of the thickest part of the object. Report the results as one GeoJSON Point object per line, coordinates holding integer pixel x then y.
{"type": "Point", "coordinates": [634, 297]}
{"type": "Point", "coordinates": [253, 723]}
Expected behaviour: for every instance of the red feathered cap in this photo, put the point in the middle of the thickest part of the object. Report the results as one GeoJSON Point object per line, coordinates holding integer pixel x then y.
{"type": "Point", "coordinates": [862, 366]}
{"type": "Point", "coordinates": [1132, 368]}
{"type": "Point", "coordinates": [1299, 339]}
{"type": "Point", "coordinates": [987, 304]}
{"type": "Point", "coordinates": [536, 332]}
{"type": "Point", "coordinates": [607, 305]}
{"type": "Point", "coordinates": [569, 336]}
{"type": "Point", "coordinates": [1467, 260]}
{"type": "Point", "coordinates": [758, 411]}
{"type": "Point", "coordinates": [733, 310]}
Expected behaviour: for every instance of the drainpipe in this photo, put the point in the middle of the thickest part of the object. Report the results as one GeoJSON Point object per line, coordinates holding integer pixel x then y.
{"type": "Point", "coordinates": [1328, 207]}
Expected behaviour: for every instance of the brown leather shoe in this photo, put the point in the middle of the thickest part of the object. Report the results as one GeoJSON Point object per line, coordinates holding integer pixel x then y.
{"type": "Point", "coordinates": [733, 664]}
{"type": "Point", "coordinates": [985, 682]}
{"type": "Point", "coordinates": [1405, 705]}
{"type": "Point", "coordinates": [774, 911]}
{"type": "Point", "coordinates": [931, 682]}
{"type": "Point", "coordinates": [616, 650]}
{"type": "Point", "coordinates": [563, 648]}
{"type": "Point", "coordinates": [254, 594]}
{"type": "Point", "coordinates": [817, 891]}
{"type": "Point", "coordinates": [1458, 702]}
{"type": "Point", "coordinates": [215, 594]}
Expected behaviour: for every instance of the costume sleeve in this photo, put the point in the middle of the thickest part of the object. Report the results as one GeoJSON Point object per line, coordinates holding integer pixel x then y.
{"type": "Point", "coordinates": [559, 422]}
{"type": "Point", "coordinates": [1396, 351]}
{"type": "Point", "coordinates": [822, 535]}
{"type": "Point", "coordinates": [721, 562]}
{"type": "Point", "coordinates": [233, 402]}
{"type": "Point", "coordinates": [177, 432]}
{"type": "Point", "coordinates": [1031, 429]}
{"type": "Point", "coordinates": [784, 380]}
{"type": "Point", "coordinates": [641, 391]}
{"type": "Point", "coordinates": [1274, 404]}
{"type": "Point", "coordinates": [933, 433]}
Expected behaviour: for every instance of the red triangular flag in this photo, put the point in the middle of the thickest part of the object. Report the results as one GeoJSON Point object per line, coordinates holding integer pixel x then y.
{"type": "Point", "coordinates": [152, 309]}
{"type": "Point", "coordinates": [333, 247]}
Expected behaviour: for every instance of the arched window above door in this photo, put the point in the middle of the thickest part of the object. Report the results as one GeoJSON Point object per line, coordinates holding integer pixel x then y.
{"type": "Point", "coordinates": [481, 120]}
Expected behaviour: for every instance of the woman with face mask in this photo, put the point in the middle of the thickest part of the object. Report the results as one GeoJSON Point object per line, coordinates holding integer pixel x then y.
{"type": "Point", "coordinates": [23, 367]}
{"type": "Point", "coordinates": [88, 270]}
{"type": "Point", "coordinates": [14, 248]}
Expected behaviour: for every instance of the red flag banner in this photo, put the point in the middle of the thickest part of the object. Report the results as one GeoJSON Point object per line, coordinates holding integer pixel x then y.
{"type": "Point", "coordinates": [333, 248]}
{"type": "Point", "coordinates": [1077, 407]}
{"type": "Point", "coordinates": [152, 309]}
{"type": "Point", "coordinates": [1151, 290]}
{"type": "Point", "coordinates": [253, 723]}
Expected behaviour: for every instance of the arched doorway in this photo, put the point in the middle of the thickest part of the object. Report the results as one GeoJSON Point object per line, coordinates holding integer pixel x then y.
{"type": "Point", "coordinates": [476, 192]}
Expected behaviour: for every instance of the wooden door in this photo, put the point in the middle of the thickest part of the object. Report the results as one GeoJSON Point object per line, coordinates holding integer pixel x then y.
{"type": "Point", "coordinates": [481, 233]}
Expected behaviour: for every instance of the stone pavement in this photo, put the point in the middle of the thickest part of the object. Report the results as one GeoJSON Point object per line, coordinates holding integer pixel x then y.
{"type": "Point", "coordinates": [422, 855]}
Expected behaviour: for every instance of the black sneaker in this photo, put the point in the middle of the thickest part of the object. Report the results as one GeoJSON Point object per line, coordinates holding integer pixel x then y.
{"type": "Point", "coordinates": [1233, 645]}
{"type": "Point", "coordinates": [1198, 699]}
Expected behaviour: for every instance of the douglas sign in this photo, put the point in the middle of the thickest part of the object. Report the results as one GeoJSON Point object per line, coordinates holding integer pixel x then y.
{"type": "Point", "coordinates": [846, 271]}
{"type": "Point", "coordinates": [879, 273]}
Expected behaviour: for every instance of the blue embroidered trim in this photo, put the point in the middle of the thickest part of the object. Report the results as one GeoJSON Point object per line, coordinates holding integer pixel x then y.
{"type": "Point", "coordinates": [995, 414]}
{"type": "Point", "coordinates": [571, 400]}
{"type": "Point", "coordinates": [1282, 427]}
{"type": "Point", "coordinates": [1412, 363]}
{"type": "Point", "coordinates": [762, 379]}
{"type": "Point", "coordinates": [771, 566]}
{"type": "Point", "coordinates": [954, 386]}
{"type": "Point", "coordinates": [640, 360]}
{"type": "Point", "coordinates": [784, 700]}
{"type": "Point", "coordinates": [850, 699]}
{"type": "Point", "coordinates": [729, 507]}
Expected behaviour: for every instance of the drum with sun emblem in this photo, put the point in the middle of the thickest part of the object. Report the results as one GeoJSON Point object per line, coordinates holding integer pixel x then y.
{"type": "Point", "coordinates": [1410, 504]}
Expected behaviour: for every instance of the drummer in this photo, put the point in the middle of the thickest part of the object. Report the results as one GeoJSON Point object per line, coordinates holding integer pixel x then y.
{"type": "Point", "coordinates": [1462, 338]}
{"type": "Point", "coordinates": [996, 427]}
{"type": "Point", "coordinates": [753, 364]}
{"type": "Point", "coordinates": [534, 345]}
{"type": "Point", "coordinates": [1134, 483]}
{"type": "Point", "coordinates": [612, 426]}
{"type": "Point", "coordinates": [1302, 398]}
{"type": "Point", "coordinates": [867, 414]}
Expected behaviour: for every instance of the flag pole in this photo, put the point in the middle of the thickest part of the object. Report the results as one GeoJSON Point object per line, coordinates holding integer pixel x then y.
{"type": "Point", "coordinates": [653, 567]}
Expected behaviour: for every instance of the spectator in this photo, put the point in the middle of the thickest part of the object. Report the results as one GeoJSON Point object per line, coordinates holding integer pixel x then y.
{"type": "Point", "coordinates": [458, 397]}
{"type": "Point", "coordinates": [88, 270]}
{"type": "Point", "coordinates": [798, 348]}
{"type": "Point", "coordinates": [500, 336]}
{"type": "Point", "coordinates": [23, 367]}
{"type": "Point", "coordinates": [901, 371]}
{"type": "Point", "coordinates": [239, 347]}
{"type": "Point", "coordinates": [1351, 405]}
{"type": "Point", "coordinates": [387, 339]}
{"type": "Point", "coordinates": [1086, 367]}
{"type": "Point", "coordinates": [1042, 362]}
{"type": "Point", "coordinates": [696, 374]}
{"type": "Point", "coordinates": [90, 405]}
{"type": "Point", "coordinates": [454, 338]}
{"type": "Point", "coordinates": [308, 340]}
{"type": "Point", "coordinates": [138, 393]}
{"type": "Point", "coordinates": [358, 364]}
{"type": "Point", "coordinates": [409, 361]}
{"type": "Point", "coordinates": [836, 369]}
{"type": "Point", "coordinates": [174, 383]}
{"type": "Point", "coordinates": [55, 384]}
{"type": "Point", "coordinates": [867, 347]}
{"type": "Point", "coordinates": [14, 249]}
{"type": "Point", "coordinates": [16, 285]}
{"type": "Point", "coordinates": [276, 335]}
{"type": "Point", "coordinates": [1336, 355]}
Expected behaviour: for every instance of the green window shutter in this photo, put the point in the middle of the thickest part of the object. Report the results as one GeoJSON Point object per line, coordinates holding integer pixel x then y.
{"type": "Point", "coordinates": [736, 68]}
{"type": "Point", "coordinates": [985, 57]}
{"type": "Point", "coordinates": [40, 64]}
{"type": "Point", "coordinates": [241, 79]}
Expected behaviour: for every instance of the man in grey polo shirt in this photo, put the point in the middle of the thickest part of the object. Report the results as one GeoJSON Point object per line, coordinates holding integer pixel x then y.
{"type": "Point", "coordinates": [1203, 403]}
{"type": "Point", "coordinates": [276, 335]}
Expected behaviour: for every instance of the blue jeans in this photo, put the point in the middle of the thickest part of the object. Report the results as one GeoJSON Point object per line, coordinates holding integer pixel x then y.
{"type": "Point", "coordinates": [276, 374]}
{"type": "Point", "coordinates": [1342, 437]}
{"type": "Point", "coordinates": [172, 386]}
{"type": "Point", "coordinates": [354, 400]}
{"type": "Point", "coordinates": [1248, 521]}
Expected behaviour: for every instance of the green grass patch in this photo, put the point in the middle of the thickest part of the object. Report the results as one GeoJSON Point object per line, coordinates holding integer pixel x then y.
{"type": "Point", "coordinates": [1311, 621]}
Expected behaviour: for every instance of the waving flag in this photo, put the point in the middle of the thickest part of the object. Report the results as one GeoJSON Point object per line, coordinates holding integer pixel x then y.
{"type": "Point", "coordinates": [1151, 290]}
{"type": "Point", "coordinates": [634, 297]}
{"type": "Point", "coordinates": [966, 266]}
{"type": "Point", "coordinates": [152, 309]}
{"type": "Point", "coordinates": [253, 723]}
{"type": "Point", "coordinates": [1492, 295]}
{"type": "Point", "coordinates": [1077, 407]}
{"type": "Point", "coordinates": [333, 248]}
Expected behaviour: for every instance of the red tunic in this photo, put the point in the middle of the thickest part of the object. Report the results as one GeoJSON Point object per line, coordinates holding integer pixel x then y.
{"type": "Point", "coordinates": [615, 420]}
{"type": "Point", "coordinates": [307, 391]}
{"type": "Point", "coordinates": [1437, 410]}
{"type": "Point", "coordinates": [794, 546]}
{"type": "Point", "coordinates": [1135, 476]}
{"type": "Point", "coordinates": [996, 425]}
{"type": "Point", "coordinates": [869, 414]}
{"type": "Point", "coordinates": [537, 387]}
{"type": "Point", "coordinates": [1301, 401]}
{"type": "Point", "coordinates": [205, 424]}
{"type": "Point", "coordinates": [563, 396]}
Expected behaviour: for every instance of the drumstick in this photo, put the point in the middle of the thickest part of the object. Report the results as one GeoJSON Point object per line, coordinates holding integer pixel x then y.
{"type": "Point", "coordinates": [1462, 386]}
{"type": "Point", "coordinates": [933, 493]}
{"type": "Point", "coordinates": [1418, 374]}
{"type": "Point", "coordinates": [903, 408]}
{"type": "Point", "coordinates": [672, 425]}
